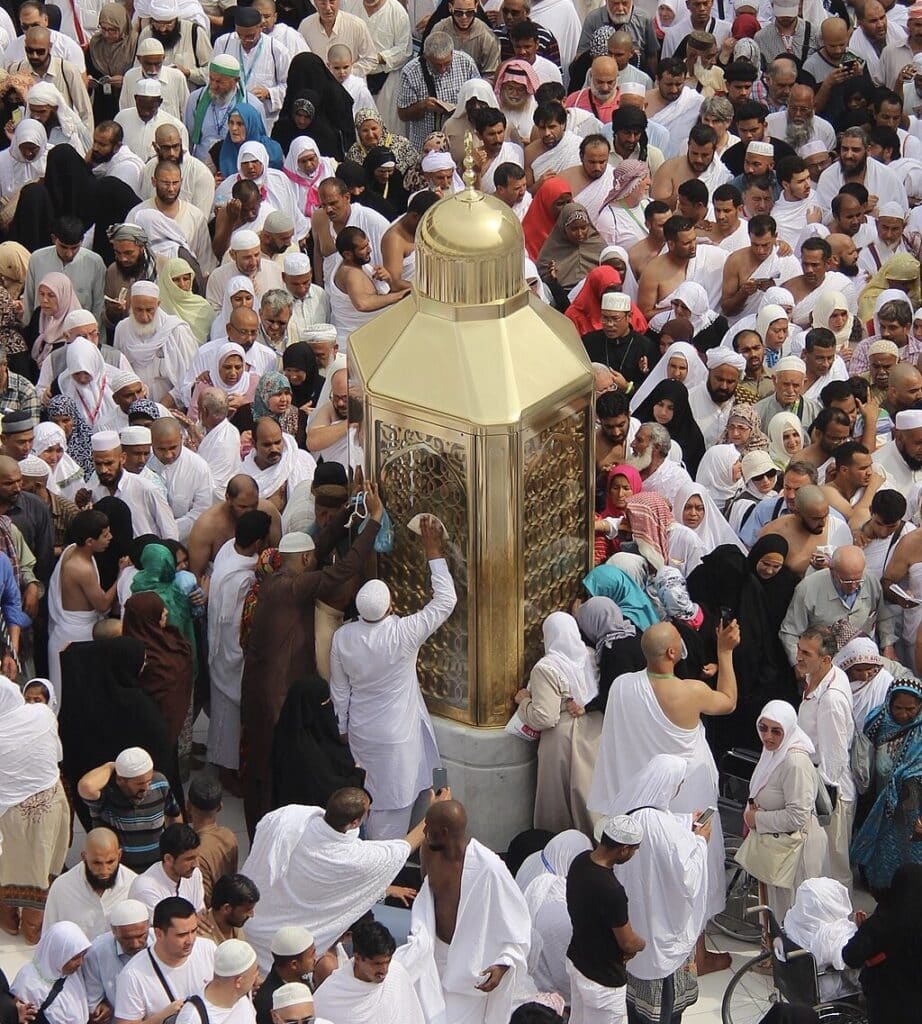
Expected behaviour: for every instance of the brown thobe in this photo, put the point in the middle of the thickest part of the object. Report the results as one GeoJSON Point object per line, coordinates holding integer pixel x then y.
{"type": "Point", "coordinates": [281, 651]}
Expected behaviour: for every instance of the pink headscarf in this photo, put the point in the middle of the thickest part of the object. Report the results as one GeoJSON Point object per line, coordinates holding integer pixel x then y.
{"type": "Point", "coordinates": [522, 72]}
{"type": "Point", "coordinates": [51, 328]}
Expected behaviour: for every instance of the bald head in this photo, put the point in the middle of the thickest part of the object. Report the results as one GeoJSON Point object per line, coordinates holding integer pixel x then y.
{"type": "Point", "coordinates": [661, 641]}
{"type": "Point", "coordinates": [101, 839]}
{"type": "Point", "coordinates": [446, 823]}
{"type": "Point", "coordinates": [811, 499]}
{"type": "Point", "coordinates": [849, 562]}
{"type": "Point", "coordinates": [101, 858]}
{"type": "Point", "coordinates": [166, 428]}
{"type": "Point", "coordinates": [241, 486]}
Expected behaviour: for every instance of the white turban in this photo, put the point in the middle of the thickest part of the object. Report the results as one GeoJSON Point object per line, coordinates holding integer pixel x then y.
{"type": "Point", "coordinates": [437, 161]}
{"type": "Point", "coordinates": [721, 356]}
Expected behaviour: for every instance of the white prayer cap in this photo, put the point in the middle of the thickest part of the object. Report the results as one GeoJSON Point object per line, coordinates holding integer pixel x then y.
{"type": "Point", "coordinates": [290, 994]}
{"type": "Point", "coordinates": [147, 87]}
{"type": "Point", "coordinates": [135, 435]}
{"type": "Point", "coordinates": [373, 600]}
{"type": "Point", "coordinates": [105, 441]}
{"type": "Point", "coordinates": [891, 210]}
{"type": "Point", "coordinates": [164, 10]}
{"type": "Point", "coordinates": [621, 828]}
{"type": "Point", "coordinates": [633, 89]}
{"type": "Point", "coordinates": [811, 148]}
{"type": "Point", "coordinates": [437, 161]}
{"type": "Point", "coordinates": [721, 356]}
{"type": "Point", "coordinates": [291, 940]}
{"type": "Point", "coordinates": [295, 543]}
{"type": "Point", "coordinates": [756, 464]}
{"type": "Point", "coordinates": [296, 263]}
{"type": "Point", "coordinates": [128, 912]}
{"type": "Point", "coordinates": [785, 9]}
{"type": "Point", "coordinates": [883, 347]}
{"type": "Point", "coordinates": [150, 47]}
{"type": "Point", "coordinates": [318, 332]}
{"type": "Point", "coordinates": [760, 148]}
{"type": "Point", "coordinates": [244, 238]}
{"type": "Point", "coordinates": [134, 761]}
{"type": "Point", "coordinates": [119, 379]}
{"type": "Point", "coordinates": [225, 64]}
{"type": "Point", "coordinates": [609, 250]}
{"type": "Point", "coordinates": [146, 288]}
{"type": "Point", "coordinates": [33, 466]}
{"type": "Point", "coordinates": [908, 419]}
{"type": "Point", "coordinates": [78, 318]}
{"type": "Point", "coordinates": [616, 302]}
{"type": "Point", "coordinates": [233, 957]}
{"type": "Point", "coordinates": [278, 221]}
{"type": "Point", "coordinates": [790, 364]}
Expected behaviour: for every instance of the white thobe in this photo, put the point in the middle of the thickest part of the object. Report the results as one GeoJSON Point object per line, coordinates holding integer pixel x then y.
{"type": "Point", "coordinates": [197, 182]}
{"type": "Point", "coordinates": [172, 82]}
{"type": "Point", "coordinates": [619, 225]}
{"type": "Point", "coordinates": [194, 226]}
{"type": "Point", "coordinates": [710, 417]}
{"type": "Point", "coordinates": [189, 488]}
{"type": "Point", "coordinates": [777, 127]}
{"type": "Point", "coordinates": [265, 65]}
{"type": "Point", "coordinates": [899, 476]}
{"type": "Point", "coordinates": [150, 512]}
{"type": "Point", "coordinates": [161, 360]}
{"type": "Point", "coordinates": [126, 166]}
{"type": "Point", "coordinates": [72, 898]}
{"type": "Point", "coordinates": [139, 135]}
{"type": "Point", "coordinates": [343, 997]}
{"type": "Point", "coordinates": [220, 448]}
{"type": "Point", "coordinates": [635, 729]}
{"type": "Point", "coordinates": [269, 275]}
{"type": "Point", "coordinates": [378, 702]}
{"type": "Point", "coordinates": [230, 579]}
{"type": "Point", "coordinates": [153, 885]}
{"type": "Point", "coordinates": [390, 32]}
{"type": "Point", "coordinates": [879, 180]}
{"type": "Point", "coordinates": [314, 308]}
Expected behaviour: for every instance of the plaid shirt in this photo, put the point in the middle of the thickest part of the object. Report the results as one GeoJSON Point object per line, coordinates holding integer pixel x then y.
{"type": "Point", "coordinates": [447, 86]}
{"type": "Point", "coordinates": [20, 395]}
{"type": "Point", "coordinates": [761, 95]}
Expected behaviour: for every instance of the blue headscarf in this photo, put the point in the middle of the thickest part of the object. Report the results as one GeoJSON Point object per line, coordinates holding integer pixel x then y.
{"type": "Point", "coordinates": [607, 581]}
{"type": "Point", "coordinates": [256, 132]}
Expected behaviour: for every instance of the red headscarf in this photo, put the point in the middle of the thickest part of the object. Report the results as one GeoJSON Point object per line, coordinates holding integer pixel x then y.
{"type": "Point", "coordinates": [632, 477]}
{"type": "Point", "coordinates": [586, 309]}
{"type": "Point", "coordinates": [744, 26]}
{"type": "Point", "coordinates": [542, 216]}
{"type": "Point", "coordinates": [650, 517]}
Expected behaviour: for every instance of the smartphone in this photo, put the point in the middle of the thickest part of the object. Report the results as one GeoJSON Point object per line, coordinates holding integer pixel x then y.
{"type": "Point", "coordinates": [705, 816]}
{"type": "Point", "coordinates": [439, 779]}
{"type": "Point", "coordinates": [726, 615]}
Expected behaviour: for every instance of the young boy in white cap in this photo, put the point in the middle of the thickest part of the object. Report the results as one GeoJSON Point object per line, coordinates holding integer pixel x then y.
{"type": "Point", "coordinates": [135, 801]}
{"type": "Point", "coordinates": [602, 934]}
{"type": "Point", "coordinates": [129, 924]}
{"type": "Point", "coordinates": [293, 957]}
{"type": "Point", "coordinates": [224, 1000]}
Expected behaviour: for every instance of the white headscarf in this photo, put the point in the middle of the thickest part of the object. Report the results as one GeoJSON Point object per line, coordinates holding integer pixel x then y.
{"type": "Point", "coordinates": [767, 315]}
{"type": "Point", "coordinates": [68, 471]}
{"type": "Point", "coordinates": [217, 357]}
{"type": "Point", "coordinates": [777, 425]}
{"type": "Point", "coordinates": [697, 371]}
{"type": "Point", "coordinates": [59, 943]}
{"type": "Point", "coordinates": [696, 299]}
{"type": "Point", "coordinates": [824, 307]}
{"type": "Point", "coordinates": [655, 786]}
{"type": "Point", "coordinates": [565, 650]}
{"type": "Point", "coordinates": [556, 859]}
{"type": "Point", "coordinates": [819, 921]}
{"type": "Point", "coordinates": [865, 695]}
{"type": "Point", "coordinates": [794, 739]}
{"type": "Point", "coordinates": [94, 400]}
{"type": "Point", "coordinates": [238, 283]}
{"type": "Point", "coordinates": [29, 747]}
{"type": "Point", "coordinates": [715, 473]}
{"type": "Point", "coordinates": [307, 185]}
{"type": "Point", "coordinates": [15, 170]}
{"type": "Point", "coordinates": [713, 530]}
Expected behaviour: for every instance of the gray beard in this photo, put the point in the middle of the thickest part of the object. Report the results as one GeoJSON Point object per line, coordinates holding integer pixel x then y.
{"type": "Point", "coordinates": [143, 330]}
{"type": "Point", "coordinates": [640, 462]}
{"type": "Point", "coordinates": [798, 135]}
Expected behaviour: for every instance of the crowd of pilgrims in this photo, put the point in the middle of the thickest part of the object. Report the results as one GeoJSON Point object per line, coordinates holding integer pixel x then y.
{"type": "Point", "coordinates": [199, 203]}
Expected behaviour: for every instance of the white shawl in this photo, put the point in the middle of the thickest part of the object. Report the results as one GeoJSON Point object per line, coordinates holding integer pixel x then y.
{"type": "Point", "coordinates": [94, 399]}
{"type": "Point", "coordinates": [565, 154]}
{"type": "Point", "coordinates": [343, 997]}
{"type": "Point", "coordinates": [819, 921]}
{"type": "Point", "coordinates": [293, 467]}
{"type": "Point", "coordinates": [220, 448]}
{"type": "Point", "coordinates": [794, 739]}
{"type": "Point", "coordinates": [29, 747]}
{"type": "Point", "coordinates": [566, 652]}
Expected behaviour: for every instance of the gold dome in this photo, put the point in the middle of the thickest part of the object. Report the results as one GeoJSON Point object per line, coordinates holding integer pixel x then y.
{"type": "Point", "coordinates": [469, 251]}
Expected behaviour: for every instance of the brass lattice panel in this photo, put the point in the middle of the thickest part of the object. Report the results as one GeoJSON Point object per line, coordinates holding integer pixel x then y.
{"type": "Point", "coordinates": [422, 472]}
{"type": "Point", "coordinates": [555, 497]}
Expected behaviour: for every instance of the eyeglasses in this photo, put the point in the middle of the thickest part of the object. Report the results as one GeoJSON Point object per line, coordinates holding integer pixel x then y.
{"type": "Point", "coordinates": [764, 476]}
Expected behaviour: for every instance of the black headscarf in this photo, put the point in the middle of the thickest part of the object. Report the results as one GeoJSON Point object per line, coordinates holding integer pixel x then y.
{"type": "Point", "coordinates": [31, 223]}
{"type": "Point", "coordinates": [70, 184]}
{"type": "Point", "coordinates": [778, 590]}
{"type": "Point", "coordinates": [393, 193]}
{"type": "Point", "coordinates": [104, 710]}
{"type": "Point", "coordinates": [333, 124]}
{"type": "Point", "coordinates": [300, 356]}
{"type": "Point", "coordinates": [682, 427]}
{"type": "Point", "coordinates": [309, 763]}
{"type": "Point", "coordinates": [353, 174]}
{"type": "Point", "coordinates": [119, 515]}
{"type": "Point", "coordinates": [113, 200]}
{"type": "Point", "coordinates": [631, 119]}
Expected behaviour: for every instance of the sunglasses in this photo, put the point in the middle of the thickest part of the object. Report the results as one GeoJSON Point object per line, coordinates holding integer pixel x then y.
{"type": "Point", "coordinates": [764, 476]}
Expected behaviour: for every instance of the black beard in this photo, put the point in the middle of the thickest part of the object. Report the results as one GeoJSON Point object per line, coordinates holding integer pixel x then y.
{"type": "Point", "coordinates": [100, 885]}
{"type": "Point", "coordinates": [168, 39]}
{"type": "Point", "coordinates": [719, 398]}
{"type": "Point", "coordinates": [848, 269]}
{"type": "Point", "coordinates": [914, 464]}
{"type": "Point", "coordinates": [860, 169]}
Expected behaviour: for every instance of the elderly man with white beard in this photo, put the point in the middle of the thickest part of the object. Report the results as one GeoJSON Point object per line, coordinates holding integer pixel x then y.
{"type": "Point", "coordinates": [246, 259]}
{"type": "Point", "coordinates": [159, 346]}
{"type": "Point", "coordinates": [649, 455]}
{"type": "Point", "coordinates": [276, 463]}
{"type": "Point", "coordinates": [798, 124]}
{"type": "Point", "coordinates": [712, 401]}
{"type": "Point", "coordinates": [888, 241]}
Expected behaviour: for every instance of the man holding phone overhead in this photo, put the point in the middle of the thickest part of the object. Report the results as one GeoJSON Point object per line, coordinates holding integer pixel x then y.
{"type": "Point", "coordinates": [376, 692]}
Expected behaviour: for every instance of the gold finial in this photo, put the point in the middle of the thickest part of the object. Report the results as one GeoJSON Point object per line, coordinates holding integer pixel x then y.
{"type": "Point", "coordinates": [469, 176]}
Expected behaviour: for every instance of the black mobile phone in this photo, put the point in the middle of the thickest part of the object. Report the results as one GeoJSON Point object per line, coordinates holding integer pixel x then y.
{"type": "Point", "coordinates": [726, 615]}
{"type": "Point", "coordinates": [705, 816]}
{"type": "Point", "coordinates": [439, 779]}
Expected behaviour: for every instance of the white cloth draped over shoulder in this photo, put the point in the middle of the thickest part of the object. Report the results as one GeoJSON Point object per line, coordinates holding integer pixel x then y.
{"type": "Point", "coordinates": [671, 913]}
{"type": "Point", "coordinates": [492, 927]}
{"type": "Point", "coordinates": [678, 118]}
{"type": "Point", "coordinates": [65, 627]}
{"type": "Point", "coordinates": [293, 467]}
{"type": "Point", "coordinates": [160, 358]}
{"type": "Point", "coordinates": [565, 154]}
{"type": "Point", "coordinates": [220, 448]}
{"type": "Point", "coordinates": [634, 731]}
{"type": "Point", "coordinates": [344, 998]}
{"type": "Point", "coordinates": [309, 874]}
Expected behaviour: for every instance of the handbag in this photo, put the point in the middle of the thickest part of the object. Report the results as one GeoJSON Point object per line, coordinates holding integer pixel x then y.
{"type": "Point", "coordinates": [771, 857]}
{"type": "Point", "coordinates": [516, 726]}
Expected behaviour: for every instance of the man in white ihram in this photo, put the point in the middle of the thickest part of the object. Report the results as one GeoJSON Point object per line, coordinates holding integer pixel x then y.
{"type": "Point", "coordinates": [376, 693]}
{"type": "Point", "coordinates": [653, 712]}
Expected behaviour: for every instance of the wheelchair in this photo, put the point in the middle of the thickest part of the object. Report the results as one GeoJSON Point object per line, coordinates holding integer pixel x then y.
{"type": "Point", "coordinates": [785, 974]}
{"type": "Point", "coordinates": [735, 771]}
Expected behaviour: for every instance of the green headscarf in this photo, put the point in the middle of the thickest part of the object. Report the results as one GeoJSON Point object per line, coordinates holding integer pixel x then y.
{"type": "Point", "coordinates": [158, 574]}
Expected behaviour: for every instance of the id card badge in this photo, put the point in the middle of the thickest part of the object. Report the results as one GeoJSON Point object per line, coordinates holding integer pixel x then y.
{"type": "Point", "coordinates": [106, 89]}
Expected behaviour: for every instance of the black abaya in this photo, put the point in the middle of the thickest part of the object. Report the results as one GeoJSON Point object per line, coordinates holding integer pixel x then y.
{"type": "Point", "coordinates": [682, 427]}
{"type": "Point", "coordinates": [119, 515]}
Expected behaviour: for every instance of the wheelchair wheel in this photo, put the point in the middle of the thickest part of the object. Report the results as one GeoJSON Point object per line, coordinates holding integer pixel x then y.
{"type": "Point", "coordinates": [751, 992]}
{"type": "Point", "coordinates": [842, 1013]}
{"type": "Point", "coordinates": [742, 893]}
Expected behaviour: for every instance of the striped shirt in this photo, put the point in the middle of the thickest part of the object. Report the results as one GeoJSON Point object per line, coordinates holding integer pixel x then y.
{"type": "Point", "coordinates": [137, 825]}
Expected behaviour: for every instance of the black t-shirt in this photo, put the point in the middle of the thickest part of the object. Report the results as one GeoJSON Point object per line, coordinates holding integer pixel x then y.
{"type": "Point", "coordinates": [622, 354]}
{"type": "Point", "coordinates": [596, 903]}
